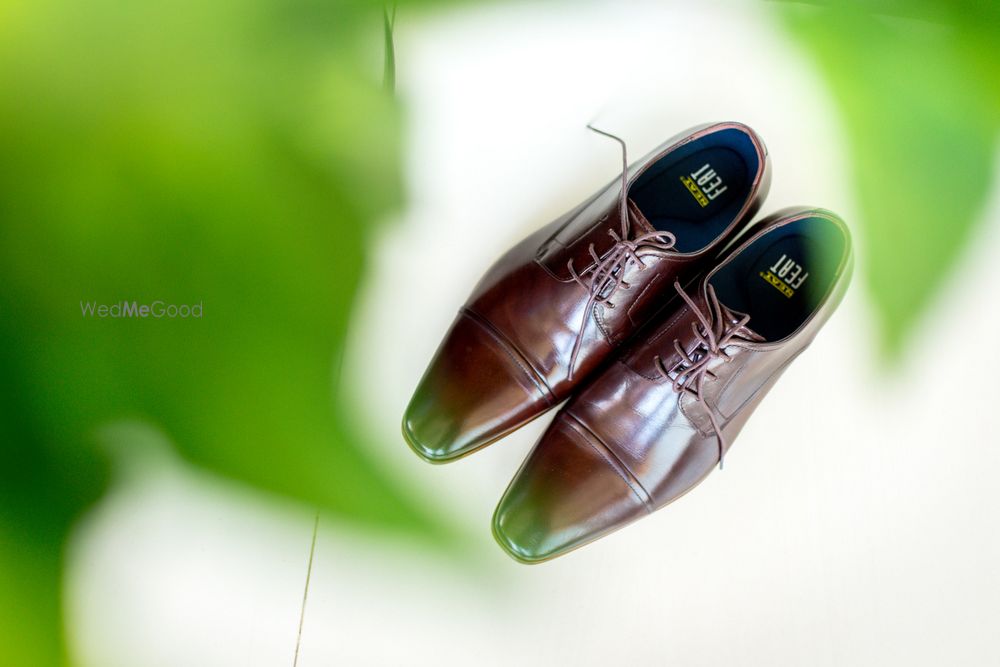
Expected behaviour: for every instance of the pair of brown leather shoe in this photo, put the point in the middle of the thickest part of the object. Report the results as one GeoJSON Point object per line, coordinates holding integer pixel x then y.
{"type": "Point", "coordinates": [661, 328]}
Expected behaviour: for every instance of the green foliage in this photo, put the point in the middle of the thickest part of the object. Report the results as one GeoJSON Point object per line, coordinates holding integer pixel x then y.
{"type": "Point", "coordinates": [389, 75]}
{"type": "Point", "coordinates": [918, 86]}
{"type": "Point", "coordinates": [233, 154]}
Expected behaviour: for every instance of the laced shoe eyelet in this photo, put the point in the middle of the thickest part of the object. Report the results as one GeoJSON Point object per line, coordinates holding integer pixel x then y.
{"type": "Point", "coordinates": [607, 269]}
{"type": "Point", "coordinates": [711, 344]}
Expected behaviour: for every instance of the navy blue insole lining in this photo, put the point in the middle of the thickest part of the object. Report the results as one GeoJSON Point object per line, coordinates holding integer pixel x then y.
{"type": "Point", "coordinates": [696, 197]}
{"type": "Point", "coordinates": [782, 277]}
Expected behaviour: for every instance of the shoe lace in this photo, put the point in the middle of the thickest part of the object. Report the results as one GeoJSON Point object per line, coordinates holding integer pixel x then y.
{"type": "Point", "coordinates": [606, 275]}
{"type": "Point", "coordinates": [713, 332]}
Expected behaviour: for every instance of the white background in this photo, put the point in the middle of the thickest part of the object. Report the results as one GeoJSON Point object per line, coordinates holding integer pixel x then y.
{"type": "Point", "coordinates": [855, 522]}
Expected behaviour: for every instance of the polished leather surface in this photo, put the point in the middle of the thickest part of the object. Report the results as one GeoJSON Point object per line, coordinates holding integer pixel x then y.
{"type": "Point", "coordinates": [506, 358]}
{"type": "Point", "coordinates": [630, 442]}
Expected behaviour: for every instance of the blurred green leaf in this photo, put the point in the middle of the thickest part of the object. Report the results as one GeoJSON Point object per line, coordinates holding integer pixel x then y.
{"type": "Point", "coordinates": [389, 73]}
{"type": "Point", "coordinates": [918, 87]}
{"type": "Point", "coordinates": [41, 494]}
{"type": "Point", "coordinates": [236, 155]}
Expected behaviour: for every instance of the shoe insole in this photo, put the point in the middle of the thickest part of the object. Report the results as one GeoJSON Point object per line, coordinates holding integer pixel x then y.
{"type": "Point", "coordinates": [780, 279]}
{"type": "Point", "coordinates": [694, 197]}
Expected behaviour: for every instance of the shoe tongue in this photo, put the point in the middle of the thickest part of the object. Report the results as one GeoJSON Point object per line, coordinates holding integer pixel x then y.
{"type": "Point", "coordinates": [638, 221]}
{"type": "Point", "coordinates": [734, 316]}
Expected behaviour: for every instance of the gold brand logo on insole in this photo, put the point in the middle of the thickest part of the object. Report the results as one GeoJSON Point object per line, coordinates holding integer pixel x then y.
{"type": "Point", "coordinates": [786, 276]}
{"type": "Point", "coordinates": [704, 184]}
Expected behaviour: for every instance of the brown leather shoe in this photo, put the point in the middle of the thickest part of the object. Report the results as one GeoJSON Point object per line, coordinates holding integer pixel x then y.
{"type": "Point", "coordinates": [650, 428]}
{"type": "Point", "coordinates": [555, 306]}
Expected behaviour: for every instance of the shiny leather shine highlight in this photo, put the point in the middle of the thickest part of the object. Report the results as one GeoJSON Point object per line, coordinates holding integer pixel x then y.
{"type": "Point", "coordinates": [506, 358]}
{"type": "Point", "coordinates": [642, 444]}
